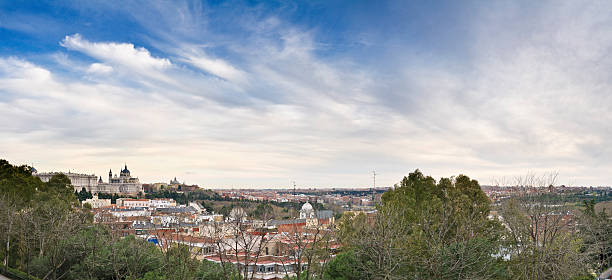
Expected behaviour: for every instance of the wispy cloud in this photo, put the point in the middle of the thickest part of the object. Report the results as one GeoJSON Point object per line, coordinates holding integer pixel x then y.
{"type": "Point", "coordinates": [99, 68]}
{"type": "Point", "coordinates": [262, 101]}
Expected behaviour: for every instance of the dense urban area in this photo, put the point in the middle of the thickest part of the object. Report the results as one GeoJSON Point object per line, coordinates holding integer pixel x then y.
{"type": "Point", "coordinates": [64, 225]}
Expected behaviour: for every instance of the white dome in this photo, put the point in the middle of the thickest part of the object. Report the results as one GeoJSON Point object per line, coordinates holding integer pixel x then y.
{"type": "Point", "coordinates": [307, 207]}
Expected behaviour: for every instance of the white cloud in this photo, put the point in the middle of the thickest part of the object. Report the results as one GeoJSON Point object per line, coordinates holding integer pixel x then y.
{"type": "Point", "coordinates": [124, 54]}
{"type": "Point", "coordinates": [530, 94]}
{"type": "Point", "coordinates": [99, 68]}
{"type": "Point", "coordinates": [215, 66]}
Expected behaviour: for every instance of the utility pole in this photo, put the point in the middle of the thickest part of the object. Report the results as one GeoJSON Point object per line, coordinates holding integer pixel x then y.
{"type": "Point", "coordinates": [293, 188]}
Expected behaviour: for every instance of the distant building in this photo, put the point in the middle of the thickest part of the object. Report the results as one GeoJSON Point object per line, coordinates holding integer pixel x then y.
{"type": "Point", "coordinates": [78, 181]}
{"type": "Point", "coordinates": [315, 218]}
{"type": "Point", "coordinates": [307, 212]}
{"type": "Point", "coordinates": [97, 203]}
{"type": "Point", "coordinates": [162, 203]}
{"type": "Point", "coordinates": [124, 184]}
{"type": "Point", "coordinates": [133, 203]}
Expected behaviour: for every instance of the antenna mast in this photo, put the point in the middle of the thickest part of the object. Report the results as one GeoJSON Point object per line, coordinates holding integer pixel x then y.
{"type": "Point", "coordinates": [374, 188]}
{"type": "Point", "coordinates": [374, 175]}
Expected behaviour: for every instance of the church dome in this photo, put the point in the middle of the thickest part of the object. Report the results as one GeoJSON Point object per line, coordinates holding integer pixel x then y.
{"type": "Point", "coordinates": [307, 207]}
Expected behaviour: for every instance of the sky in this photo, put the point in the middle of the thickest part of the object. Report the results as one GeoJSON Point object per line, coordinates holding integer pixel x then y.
{"type": "Point", "coordinates": [264, 93]}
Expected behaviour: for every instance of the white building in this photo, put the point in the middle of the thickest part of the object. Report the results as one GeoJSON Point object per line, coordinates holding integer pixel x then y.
{"type": "Point", "coordinates": [97, 203]}
{"type": "Point", "coordinates": [77, 180]}
{"type": "Point", "coordinates": [121, 213]}
{"type": "Point", "coordinates": [162, 203]}
{"type": "Point", "coordinates": [307, 212]}
{"type": "Point", "coordinates": [133, 203]}
{"type": "Point", "coordinates": [124, 184]}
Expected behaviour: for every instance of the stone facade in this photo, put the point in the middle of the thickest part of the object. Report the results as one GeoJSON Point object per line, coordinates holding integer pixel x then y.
{"type": "Point", "coordinates": [122, 184]}
{"type": "Point", "coordinates": [78, 181]}
{"type": "Point", "coordinates": [95, 202]}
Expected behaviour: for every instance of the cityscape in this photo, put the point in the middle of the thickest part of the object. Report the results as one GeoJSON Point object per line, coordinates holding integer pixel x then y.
{"type": "Point", "coordinates": [305, 140]}
{"type": "Point", "coordinates": [210, 223]}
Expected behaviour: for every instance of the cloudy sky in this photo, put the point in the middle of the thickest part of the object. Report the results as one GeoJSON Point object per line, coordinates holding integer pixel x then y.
{"type": "Point", "coordinates": [252, 94]}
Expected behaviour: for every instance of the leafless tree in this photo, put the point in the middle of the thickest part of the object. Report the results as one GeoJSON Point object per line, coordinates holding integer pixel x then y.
{"type": "Point", "coordinates": [383, 242]}
{"type": "Point", "coordinates": [542, 243]}
{"type": "Point", "coordinates": [238, 240]}
{"type": "Point", "coordinates": [8, 207]}
{"type": "Point", "coordinates": [217, 231]}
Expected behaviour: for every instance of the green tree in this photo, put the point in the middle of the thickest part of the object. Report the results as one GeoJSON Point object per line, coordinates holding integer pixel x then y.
{"type": "Point", "coordinates": [342, 267]}
{"type": "Point", "coordinates": [427, 230]}
{"type": "Point", "coordinates": [82, 195]}
{"type": "Point", "coordinates": [263, 211]}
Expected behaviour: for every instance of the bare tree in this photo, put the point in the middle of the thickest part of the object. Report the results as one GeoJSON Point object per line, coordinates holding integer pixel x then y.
{"type": "Point", "coordinates": [238, 240]}
{"type": "Point", "coordinates": [8, 207]}
{"type": "Point", "coordinates": [217, 232]}
{"type": "Point", "coordinates": [382, 243]}
{"type": "Point", "coordinates": [542, 243]}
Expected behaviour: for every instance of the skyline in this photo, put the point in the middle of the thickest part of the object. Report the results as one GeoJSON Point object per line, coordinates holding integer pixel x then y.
{"type": "Point", "coordinates": [319, 92]}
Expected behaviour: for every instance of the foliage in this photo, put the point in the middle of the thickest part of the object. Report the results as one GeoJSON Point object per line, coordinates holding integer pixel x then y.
{"type": "Point", "coordinates": [45, 233]}
{"type": "Point", "coordinates": [113, 197]}
{"type": "Point", "coordinates": [540, 241]}
{"type": "Point", "coordinates": [425, 230]}
{"type": "Point", "coordinates": [341, 267]}
{"type": "Point", "coordinates": [83, 194]}
{"type": "Point", "coordinates": [16, 274]}
{"type": "Point", "coordinates": [263, 211]}
{"type": "Point", "coordinates": [596, 230]}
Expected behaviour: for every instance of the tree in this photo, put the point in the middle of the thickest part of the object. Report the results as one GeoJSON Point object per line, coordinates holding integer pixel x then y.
{"type": "Point", "coordinates": [17, 189]}
{"type": "Point", "coordinates": [83, 194]}
{"type": "Point", "coordinates": [426, 230]}
{"type": "Point", "coordinates": [309, 247]}
{"type": "Point", "coordinates": [263, 211]}
{"type": "Point", "coordinates": [46, 234]}
{"type": "Point", "coordinates": [541, 242]}
{"type": "Point", "coordinates": [596, 230]}
{"type": "Point", "coordinates": [342, 268]}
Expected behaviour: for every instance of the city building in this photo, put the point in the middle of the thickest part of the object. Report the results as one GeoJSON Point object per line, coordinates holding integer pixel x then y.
{"type": "Point", "coordinates": [78, 180]}
{"type": "Point", "coordinates": [307, 211]}
{"type": "Point", "coordinates": [122, 184]}
{"type": "Point", "coordinates": [133, 203]}
{"type": "Point", "coordinates": [95, 202]}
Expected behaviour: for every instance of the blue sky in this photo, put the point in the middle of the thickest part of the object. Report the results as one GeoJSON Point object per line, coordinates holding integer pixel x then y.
{"type": "Point", "coordinates": [252, 94]}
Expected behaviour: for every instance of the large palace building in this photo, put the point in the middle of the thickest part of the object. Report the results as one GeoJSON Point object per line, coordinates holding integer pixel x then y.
{"type": "Point", "coordinates": [78, 181]}
{"type": "Point", "coordinates": [122, 184]}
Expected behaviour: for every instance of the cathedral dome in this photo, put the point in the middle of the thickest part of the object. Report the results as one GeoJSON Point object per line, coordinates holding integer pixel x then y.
{"type": "Point", "coordinates": [307, 211]}
{"type": "Point", "coordinates": [307, 207]}
{"type": "Point", "coordinates": [125, 170]}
